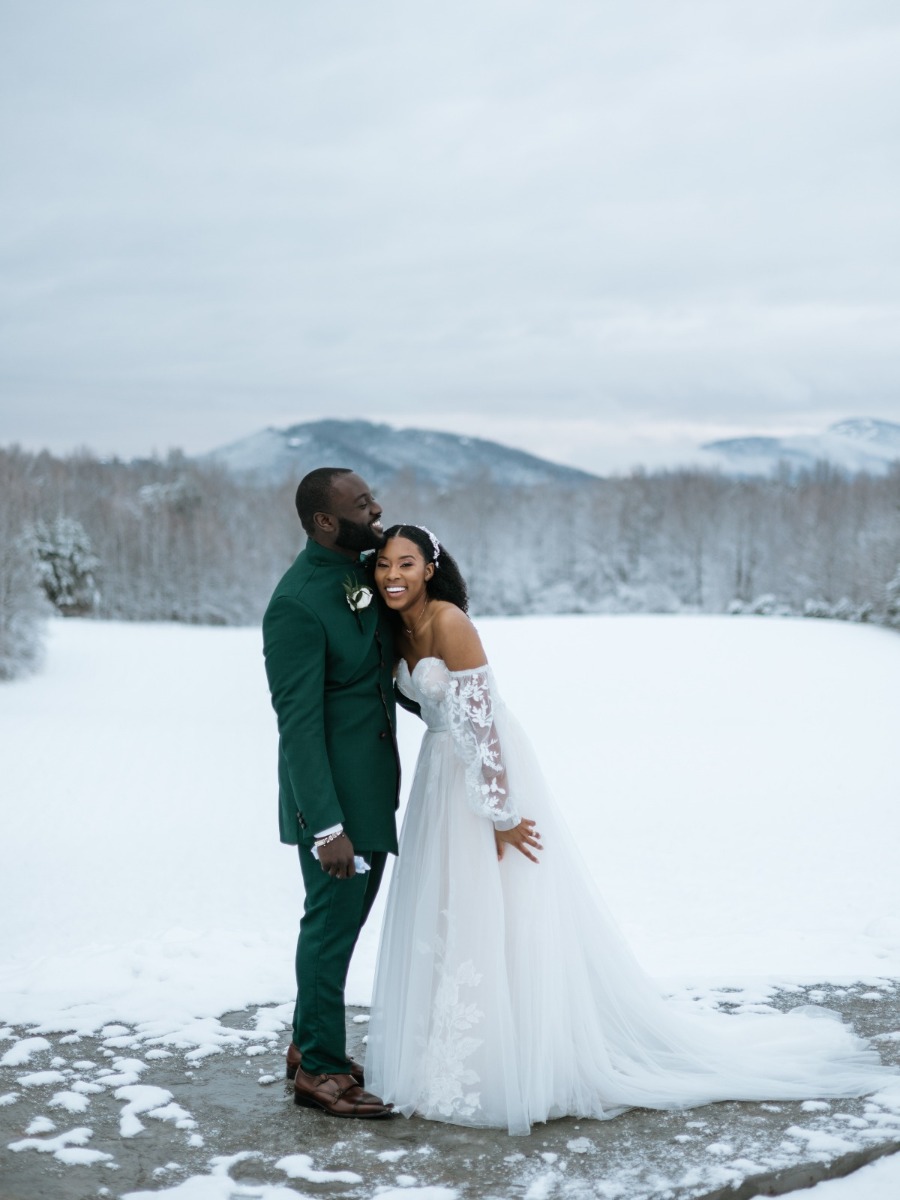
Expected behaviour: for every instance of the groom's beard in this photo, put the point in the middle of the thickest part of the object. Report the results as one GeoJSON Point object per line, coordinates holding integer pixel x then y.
{"type": "Point", "coordinates": [354, 536]}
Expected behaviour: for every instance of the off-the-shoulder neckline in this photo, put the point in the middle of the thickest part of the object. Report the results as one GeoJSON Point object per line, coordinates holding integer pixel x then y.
{"type": "Point", "coordinates": [434, 658]}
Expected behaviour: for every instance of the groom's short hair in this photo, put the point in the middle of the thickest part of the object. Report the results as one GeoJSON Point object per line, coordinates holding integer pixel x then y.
{"type": "Point", "coordinates": [314, 494]}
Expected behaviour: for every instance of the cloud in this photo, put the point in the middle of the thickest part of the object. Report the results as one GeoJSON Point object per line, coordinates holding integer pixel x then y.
{"type": "Point", "coordinates": [647, 215]}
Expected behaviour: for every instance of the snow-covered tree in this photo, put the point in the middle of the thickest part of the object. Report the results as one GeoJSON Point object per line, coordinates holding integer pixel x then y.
{"type": "Point", "coordinates": [893, 599]}
{"type": "Point", "coordinates": [66, 565]}
{"type": "Point", "coordinates": [22, 607]}
{"type": "Point", "coordinates": [182, 540]}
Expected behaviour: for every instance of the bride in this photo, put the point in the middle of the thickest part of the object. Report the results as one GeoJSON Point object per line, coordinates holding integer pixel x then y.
{"type": "Point", "coordinates": [504, 993]}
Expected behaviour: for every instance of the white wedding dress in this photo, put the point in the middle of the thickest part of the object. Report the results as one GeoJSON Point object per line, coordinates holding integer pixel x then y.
{"type": "Point", "coordinates": [505, 995]}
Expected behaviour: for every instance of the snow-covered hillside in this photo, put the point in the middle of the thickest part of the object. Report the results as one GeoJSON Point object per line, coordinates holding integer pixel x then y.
{"type": "Point", "coordinates": [860, 444]}
{"type": "Point", "coordinates": [380, 452]}
{"type": "Point", "coordinates": [734, 783]}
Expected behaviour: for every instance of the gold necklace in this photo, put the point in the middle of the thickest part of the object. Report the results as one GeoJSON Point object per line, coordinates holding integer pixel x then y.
{"type": "Point", "coordinates": [412, 632]}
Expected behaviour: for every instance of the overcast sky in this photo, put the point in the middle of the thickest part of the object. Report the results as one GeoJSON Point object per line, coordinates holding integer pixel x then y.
{"type": "Point", "coordinates": [603, 231]}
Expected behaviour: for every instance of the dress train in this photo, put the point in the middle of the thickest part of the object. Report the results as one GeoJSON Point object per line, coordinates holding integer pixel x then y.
{"type": "Point", "coordinates": [504, 993]}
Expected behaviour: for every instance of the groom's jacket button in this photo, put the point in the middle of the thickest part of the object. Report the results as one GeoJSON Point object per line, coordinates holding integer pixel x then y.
{"type": "Point", "coordinates": [383, 734]}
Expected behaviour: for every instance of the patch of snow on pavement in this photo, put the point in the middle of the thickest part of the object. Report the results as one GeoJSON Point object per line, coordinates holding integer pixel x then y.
{"type": "Point", "coordinates": [86, 1088]}
{"type": "Point", "coordinates": [417, 1193]}
{"type": "Point", "coordinates": [542, 1187]}
{"type": "Point", "coordinates": [818, 1142]}
{"type": "Point", "coordinates": [40, 1078]}
{"type": "Point", "coordinates": [877, 1181]}
{"type": "Point", "coordinates": [300, 1166]}
{"type": "Point", "coordinates": [155, 1102]}
{"type": "Point", "coordinates": [40, 1125]}
{"type": "Point", "coordinates": [214, 1187]}
{"type": "Point", "coordinates": [391, 1155]}
{"type": "Point", "coordinates": [21, 1052]}
{"type": "Point", "coordinates": [218, 1185]}
{"type": "Point", "coordinates": [581, 1145]}
{"type": "Point", "coordinates": [67, 1147]}
{"type": "Point", "coordinates": [73, 1102]}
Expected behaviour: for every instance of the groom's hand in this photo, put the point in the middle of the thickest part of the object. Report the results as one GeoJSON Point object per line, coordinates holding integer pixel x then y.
{"type": "Point", "coordinates": [336, 858]}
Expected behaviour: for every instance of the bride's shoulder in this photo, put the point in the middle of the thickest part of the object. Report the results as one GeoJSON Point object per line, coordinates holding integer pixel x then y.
{"type": "Point", "coordinates": [449, 616]}
{"type": "Point", "coordinates": [456, 639]}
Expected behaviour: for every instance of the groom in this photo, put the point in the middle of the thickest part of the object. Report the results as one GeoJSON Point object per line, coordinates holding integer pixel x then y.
{"type": "Point", "coordinates": [329, 661]}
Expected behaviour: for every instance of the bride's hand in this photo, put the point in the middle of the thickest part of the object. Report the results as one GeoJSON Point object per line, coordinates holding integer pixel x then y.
{"type": "Point", "coordinates": [521, 836]}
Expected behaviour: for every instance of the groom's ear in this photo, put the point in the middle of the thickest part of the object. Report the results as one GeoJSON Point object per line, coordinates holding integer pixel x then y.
{"type": "Point", "coordinates": [324, 521]}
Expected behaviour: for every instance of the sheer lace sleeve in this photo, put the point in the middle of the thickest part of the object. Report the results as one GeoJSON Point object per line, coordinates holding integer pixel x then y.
{"type": "Point", "coordinates": [471, 720]}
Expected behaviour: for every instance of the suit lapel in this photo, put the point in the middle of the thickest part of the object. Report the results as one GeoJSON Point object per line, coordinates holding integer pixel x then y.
{"type": "Point", "coordinates": [353, 627]}
{"type": "Point", "coordinates": [361, 625]}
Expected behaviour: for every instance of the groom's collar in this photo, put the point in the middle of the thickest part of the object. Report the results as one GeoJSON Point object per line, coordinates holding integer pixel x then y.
{"type": "Point", "coordinates": [333, 558]}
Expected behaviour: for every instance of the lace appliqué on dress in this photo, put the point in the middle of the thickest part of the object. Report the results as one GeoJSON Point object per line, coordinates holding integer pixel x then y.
{"type": "Point", "coordinates": [450, 1093]}
{"type": "Point", "coordinates": [470, 716]}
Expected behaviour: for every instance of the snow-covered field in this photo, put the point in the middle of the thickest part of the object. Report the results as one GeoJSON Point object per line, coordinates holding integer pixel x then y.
{"type": "Point", "coordinates": [735, 782]}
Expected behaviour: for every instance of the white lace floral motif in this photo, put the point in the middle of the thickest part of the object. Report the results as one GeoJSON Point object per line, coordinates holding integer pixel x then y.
{"type": "Point", "coordinates": [451, 1084]}
{"type": "Point", "coordinates": [470, 716]}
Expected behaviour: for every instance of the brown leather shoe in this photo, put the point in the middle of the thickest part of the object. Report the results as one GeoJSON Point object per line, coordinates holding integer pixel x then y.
{"type": "Point", "coordinates": [339, 1096]}
{"type": "Point", "coordinates": [294, 1059]}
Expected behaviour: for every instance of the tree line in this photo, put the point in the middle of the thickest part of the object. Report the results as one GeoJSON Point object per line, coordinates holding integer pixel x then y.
{"type": "Point", "coordinates": [176, 540]}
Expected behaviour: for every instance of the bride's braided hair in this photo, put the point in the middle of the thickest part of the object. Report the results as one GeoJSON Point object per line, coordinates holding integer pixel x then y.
{"type": "Point", "coordinates": [447, 582]}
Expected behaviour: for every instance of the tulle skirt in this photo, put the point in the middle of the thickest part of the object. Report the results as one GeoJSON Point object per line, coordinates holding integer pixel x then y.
{"type": "Point", "coordinates": [505, 995]}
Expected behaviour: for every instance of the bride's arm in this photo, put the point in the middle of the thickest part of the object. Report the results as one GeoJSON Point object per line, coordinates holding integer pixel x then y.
{"type": "Point", "coordinates": [471, 717]}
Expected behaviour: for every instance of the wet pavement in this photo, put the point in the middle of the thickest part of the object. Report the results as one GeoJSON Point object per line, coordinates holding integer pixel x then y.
{"type": "Point", "coordinates": [110, 1115]}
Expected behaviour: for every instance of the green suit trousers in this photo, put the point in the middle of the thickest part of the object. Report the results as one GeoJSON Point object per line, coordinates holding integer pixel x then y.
{"type": "Point", "coordinates": [334, 913]}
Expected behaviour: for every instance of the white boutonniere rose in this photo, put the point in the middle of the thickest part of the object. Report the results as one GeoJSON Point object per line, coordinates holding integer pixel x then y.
{"type": "Point", "coordinates": [358, 596]}
{"type": "Point", "coordinates": [361, 598]}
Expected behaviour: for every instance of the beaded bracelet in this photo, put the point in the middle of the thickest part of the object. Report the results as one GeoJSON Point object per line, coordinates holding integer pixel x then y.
{"type": "Point", "coordinates": [331, 837]}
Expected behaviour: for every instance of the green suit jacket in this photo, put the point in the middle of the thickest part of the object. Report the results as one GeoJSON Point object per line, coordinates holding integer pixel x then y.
{"type": "Point", "coordinates": [330, 675]}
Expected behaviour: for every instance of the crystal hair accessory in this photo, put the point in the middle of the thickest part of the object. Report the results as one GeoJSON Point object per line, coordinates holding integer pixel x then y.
{"type": "Point", "coordinates": [435, 544]}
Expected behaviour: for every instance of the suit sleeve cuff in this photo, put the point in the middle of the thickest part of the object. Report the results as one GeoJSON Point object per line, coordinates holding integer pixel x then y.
{"type": "Point", "coordinates": [331, 829]}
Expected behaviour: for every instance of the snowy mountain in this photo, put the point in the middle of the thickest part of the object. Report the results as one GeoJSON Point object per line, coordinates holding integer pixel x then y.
{"type": "Point", "coordinates": [861, 444]}
{"type": "Point", "coordinates": [380, 452]}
